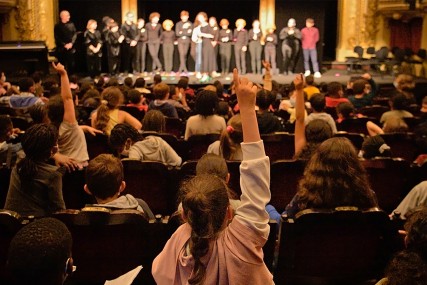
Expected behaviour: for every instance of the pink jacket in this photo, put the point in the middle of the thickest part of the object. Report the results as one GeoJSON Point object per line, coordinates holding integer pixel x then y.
{"type": "Point", "coordinates": [309, 37]}
{"type": "Point", "coordinates": [236, 256]}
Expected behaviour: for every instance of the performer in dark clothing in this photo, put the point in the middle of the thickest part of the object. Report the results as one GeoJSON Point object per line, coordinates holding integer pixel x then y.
{"type": "Point", "coordinates": [270, 48]}
{"type": "Point", "coordinates": [291, 37]}
{"type": "Point", "coordinates": [240, 45]}
{"type": "Point", "coordinates": [168, 41]}
{"type": "Point", "coordinates": [225, 40]}
{"type": "Point", "coordinates": [93, 43]}
{"type": "Point", "coordinates": [215, 32]}
{"type": "Point", "coordinates": [141, 47]}
{"type": "Point", "coordinates": [255, 47]}
{"type": "Point", "coordinates": [129, 31]}
{"type": "Point", "coordinates": [154, 32]}
{"type": "Point", "coordinates": [208, 52]}
{"type": "Point", "coordinates": [113, 41]}
{"type": "Point", "coordinates": [183, 30]}
{"type": "Point", "coordinates": [65, 37]}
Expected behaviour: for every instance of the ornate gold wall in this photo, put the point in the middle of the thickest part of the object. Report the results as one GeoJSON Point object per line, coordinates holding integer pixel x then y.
{"type": "Point", "coordinates": [31, 20]}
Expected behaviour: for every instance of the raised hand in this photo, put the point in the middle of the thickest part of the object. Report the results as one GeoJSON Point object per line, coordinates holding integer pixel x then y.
{"type": "Point", "coordinates": [299, 81]}
{"type": "Point", "coordinates": [266, 65]}
{"type": "Point", "coordinates": [59, 68]}
{"type": "Point", "coordinates": [245, 91]}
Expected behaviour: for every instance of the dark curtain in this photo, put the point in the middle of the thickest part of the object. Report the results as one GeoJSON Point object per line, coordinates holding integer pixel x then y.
{"type": "Point", "coordinates": [406, 34]}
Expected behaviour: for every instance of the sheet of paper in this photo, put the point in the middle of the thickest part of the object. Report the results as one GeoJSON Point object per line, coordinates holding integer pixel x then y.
{"type": "Point", "coordinates": [125, 279]}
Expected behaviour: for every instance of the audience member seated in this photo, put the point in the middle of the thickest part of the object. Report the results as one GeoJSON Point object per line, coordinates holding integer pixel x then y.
{"type": "Point", "coordinates": [346, 111]}
{"type": "Point", "coordinates": [39, 113]}
{"type": "Point", "coordinates": [364, 90]}
{"type": "Point", "coordinates": [335, 95]}
{"type": "Point", "coordinates": [206, 121]}
{"type": "Point", "coordinates": [104, 180]}
{"type": "Point", "coordinates": [398, 105]}
{"type": "Point", "coordinates": [373, 147]}
{"type": "Point", "coordinates": [152, 147]}
{"type": "Point", "coordinates": [89, 97]}
{"type": "Point", "coordinates": [35, 184]}
{"type": "Point", "coordinates": [140, 85]}
{"type": "Point", "coordinates": [161, 92]}
{"type": "Point", "coordinates": [267, 122]}
{"type": "Point", "coordinates": [318, 104]}
{"type": "Point", "coordinates": [423, 110]}
{"type": "Point", "coordinates": [310, 89]}
{"type": "Point", "coordinates": [122, 137]}
{"type": "Point", "coordinates": [137, 100]}
{"type": "Point", "coordinates": [405, 85]}
{"type": "Point", "coordinates": [178, 98]}
{"type": "Point", "coordinates": [108, 114]}
{"type": "Point", "coordinates": [417, 197]}
{"type": "Point", "coordinates": [228, 145]}
{"type": "Point", "coordinates": [289, 105]}
{"type": "Point", "coordinates": [333, 177]}
{"type": "Point", "coordinates": [4, 86]}
{"type": "Point", "coordinates": [392, 125]}
{"type": "Point", "coordinates": [410, 265]}
{"type": "Point", "coordinates": [8, 151]}
{"type": "Point", "coordinates": [40, 253]}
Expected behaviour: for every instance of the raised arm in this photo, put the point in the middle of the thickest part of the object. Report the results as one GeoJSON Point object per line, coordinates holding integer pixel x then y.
{"type": "Point", "coordinates": [300, 140]}
{"type": "Point", "coordinates": [67, 97]}
{"type": "Point", "coordinates": [268, 83]}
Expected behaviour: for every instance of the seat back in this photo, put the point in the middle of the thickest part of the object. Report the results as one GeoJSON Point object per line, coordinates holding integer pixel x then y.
{"type": "Point", "coordinates": [107, 244]}
{"type": "Point", "coordinates": [73, 190]}
{"type": "Point", "coordinates": [150, 181]}
{"type": "Point", "coordinates": [333, 247]}
{"type": "Point", "coordinates": [402, 145]}
{"type": "Point", "coordinates": [388, 179]}
{"type": "Point", "coordinates": [285, 176]}
{"type": "Point", "coordinates": [374, 111]}
{"type": "Point", "coordinates": [355, 138]}
{"type": "Point", "coordinates": [197, 145]}
{"type": "Point", "coordinates": [356, 125]}
{"type": "Point", "coordinates": [97, 145]}
{"type": "Point", "coordinates": [175, 127]}
{"type": "Point", "coordinates": [279, 146]}
{"type": "Point", "coordinates": [4, 184]}
{"type": "Point", "coordinates": [134, 111]}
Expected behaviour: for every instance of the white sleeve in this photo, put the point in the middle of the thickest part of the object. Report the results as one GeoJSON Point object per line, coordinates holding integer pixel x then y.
{"type": "Point", "coordinates": [255, 185]}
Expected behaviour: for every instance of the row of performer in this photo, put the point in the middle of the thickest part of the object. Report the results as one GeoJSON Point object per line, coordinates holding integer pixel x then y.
{"type": "Point", "coordinates": [127, 45]}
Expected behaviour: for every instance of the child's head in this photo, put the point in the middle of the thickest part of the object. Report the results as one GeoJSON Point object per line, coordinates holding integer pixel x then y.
{"type": "Point", "coordinates": [405, 83]}
{"type": "Point", "coordinates": [375, 147]}
{"type": "Point", "coordinates": [224, 23]}
{"type": "Point", "coordinates": [264, 99]}
{"type": "Point", "coordinates": [317, 131]}
{"type": "Point", "coordinates": [154, 121]}
{"type": "Point", "coordinates": [206, 209]}
{"type": "Point", "coordinates": [40, 253]}
{"type": "Point", "coordinates": [167, 25]}
{"type": "Point", "coordinates": [318, 102]}
{"type": "Point", "coordinates": [212, 22]}
{"type": "Point", "coordinates": [139, 82]}
{"type": "Point", "coordinates": [206, 103]}
{"type": "Point", "coordinates": [140, 23]}
{"type": "Point", "coordinates": [213, 164]}
{"type": "Point", "coordinates": [161, 91]}
{"type": "Point", "coordinates": [27, 84]}
{"type": "Point", "coordinates": [309, 80]}
{"type": "Point", "coordinates": [104, 178]}
{"type": "Point", "coordinates": [345, 110]}
{"type": "Point", "coordinates": [231, 137]}
{"type": "Point", "coordinates": [128, 82]}
{"type": "Point", "coordinates": [39, 113]}
{"type": "Point", "coordinates": [111, 98]}
{"type": "Point", "coordinates": [135, 97]}
{"type": "Point", "coordinates": [240, 24]}
{"type": "Point", "coordinates": [359, 86]}
{"type": "Point", "coordinates": [157, 79]}
{"type": "Point", "coordinates": [335, 90]}
{"type": "Point", "coordinates": [399, 102]}
{"type": "Point", "coordinates": [256, 24]}
{"type": "Point", "coordinates": [55, 110]}
{"type": "Point", "coordinates": [122, 137]}
{"type": "Point", "coordinates": [154, 17]}
{"type": "Point", "coordinates": [184, 15]}
{"type": "Point", "coordinates": [6, 128]}
{"type": "Point", "coordinates": [309, 22]}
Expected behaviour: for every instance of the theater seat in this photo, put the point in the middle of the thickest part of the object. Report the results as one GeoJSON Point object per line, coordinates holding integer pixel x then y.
{"type": "Point", "coordinates": [355, 138]}
{"type": "Point", "coordinates": [197, 145]}
{"type": "Point", "coordinates": [356, 125]}
{"type": "Point", "coordinates": [402, 145]}
{"type": "Point", "coordinates": [107, 244]}
{"type": "Point", "coordinates": [175, 126]}
{"type": "Point", "coordinates": [97, 145]}
{"type": "Point", "coordinates": [134, 111]}
{"type": "Point", "coordinates": [279, 145]}
{"type": "Point", "coordinates": [342, 246]}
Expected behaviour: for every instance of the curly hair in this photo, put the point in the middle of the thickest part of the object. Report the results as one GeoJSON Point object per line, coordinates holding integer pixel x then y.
{"type": "Point", "coordinates": [335, 177]}
{"type": "Point", "coordinates": [120, 134]}
{"type": "Point", "coordinates": [206, 103]}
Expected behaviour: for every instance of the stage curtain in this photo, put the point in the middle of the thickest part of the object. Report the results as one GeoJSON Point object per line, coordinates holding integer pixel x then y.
{"type": "Point", "coordinates": [406, 34]}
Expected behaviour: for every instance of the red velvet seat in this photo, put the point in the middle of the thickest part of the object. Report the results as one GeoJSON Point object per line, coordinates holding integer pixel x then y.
{"type": "Point", "coordinates": [279, 146]}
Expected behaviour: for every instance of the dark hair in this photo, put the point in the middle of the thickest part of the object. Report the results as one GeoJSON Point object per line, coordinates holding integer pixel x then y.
{"type": "Point", "coordinates": [139, 82]}
{"type": "Point", "coordinates": [74, 79]}
{"type": "Point", "coordinates": [39, 252]}
{"type": "Point", "coordinates": [335, 177]}
{"type": "Point", "coordinates": [86, 86]}
{"type": "Point", "coordinates": [104, 175]}
{"type": "Point", "coordinates": [206, 103]}
{"type": "Point", "coordinates": [112, 82]}
{"type": "Point", "coordinates": [182, 83]}
{"type": "Point", "coordinates": [346, 109]}
{"type": "Point", "coordinates": [25, 84]}
{"type": "Point", "coordinates": [6, 126]}
{"type": "Point", "coordinates": [154, 121]}
{"type": "Point", "coordinates": [161, 90]}
{"type": "Point", "coordinates": [316, 132]}
{"type": "Point", "coordinates": [204, 202]}
{"type": "Point", "coordinates": [128, 82]}
{"type": "Point", "coordinates": [134, 96]}
{"type": "Point", "coordinates": [219, 88]}
{"type": "Point", "coordinates": [400, 102]}
{"type": "Point", "coordinates": [359, 86]}
{"type": "Point", "coordinates": [309, 79]}
{"type": "Point", "coordinates": [264, 99]}
{"type": "Point", "coordinates": [39, 113]}
{"type": "Point", "coordinates": [231, 137]}
{"type": "Point", "coordinates": [91, 94]}
{"type": "Point", "coordinates": [157, 79]}
{"type": "Point", "coordinates": [122, 132]}
{"type": "Point", "coordinates": [318, 102]}
{"type": "Point", "coordinates": [37, 143]}
{"type": "Point", "coordinates": [55, 110]}
{"type": "Point", "coordinates": [37, 76]}
{"type": "Point", "coordinates": [375, 147]}
{"type": "Point", "coordinates": [113, 98]}
{"type": "Point", "coordinates": [212, 164]}
{"type": "Point", "coordinates": [334, 88]}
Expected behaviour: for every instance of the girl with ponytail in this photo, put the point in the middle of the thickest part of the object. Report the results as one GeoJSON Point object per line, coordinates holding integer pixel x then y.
{"type": "Point", "coordinates": [228, 145]}
{"type": "Point", "coordinates": [212, 247]}
{"type": "Point", "coordinates": [108, 114]}
{"type": "Point", "coordinates": [35, 184]}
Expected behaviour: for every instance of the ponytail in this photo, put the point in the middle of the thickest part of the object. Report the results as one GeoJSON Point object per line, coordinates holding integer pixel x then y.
{"type": "Point", "coordinates": [102, 117]}
{"type": "Point", "coordinates": [231, 137]}
{"type": "Point", "coordinates": [112, 97]}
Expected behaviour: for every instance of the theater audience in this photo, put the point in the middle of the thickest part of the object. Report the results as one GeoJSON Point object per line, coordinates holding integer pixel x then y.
{"type": "Point", "coordinates": [405, 85]}
{"type": "Point", "coordinates": [122, 137]}
{"type": "Point", "coordinates": [9, 151]}
{"type": "Point", "coordinates": [137, 100]}
{"type": "Point", "coordinates": [363, 90]}
{"type": "Point", "coordinates": [318, 104]}
{"type": "Point", "coordinates": [346, 111]}
{"type": "Point", "coordinates": [267, 122]}
{"type": "Point", "coordinates": [374, 147]}
{"type": "Point", "coordinates": [228, 145]}
{"type": "Point", "coordinates": [398, 105]}
{"type": "Point", "coordinates": [310, 89]}
{"type": "Point", "coordinates": [140, 85]}
{"type": "Point", "coordinates": [161, 92]}
{"type": "Point", "coordinates": [335, 95]}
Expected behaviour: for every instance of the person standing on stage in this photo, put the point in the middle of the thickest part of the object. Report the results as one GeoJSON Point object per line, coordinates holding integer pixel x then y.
{"type": "Point", "coordinates": [183, 30]}
{"type": "Point", "coordinates": [270, 48]}
{"type": "Point", "coordinates": [154, 32]}
{"type": "Point", "coordinates": [113, 41]}
{"type": "Point", "coordinates": [65, 37]}
{"type": "Point", "coordinates": [309, 39]}
{"type": "Point", "coordinates": [255, 47]}
{"type": "Point", "coordinates": [225, 40]}
{"type": "Point", "coordinates": [291, 37]}
{"type": "Point", "coordinates": [215, 32]}
{"type": "Point", "coordinates": [168, 39]}
{"type": "Point", "coordinates": [202, 37]}
{"type": "Point", "coordinates": [93, 43]}
{"type": "Point", "coordinates": [240, 45]}
{"type": "Point", "coordinates": [129, 31]}
{"type": "Point", "coordinates": [141, 47]}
